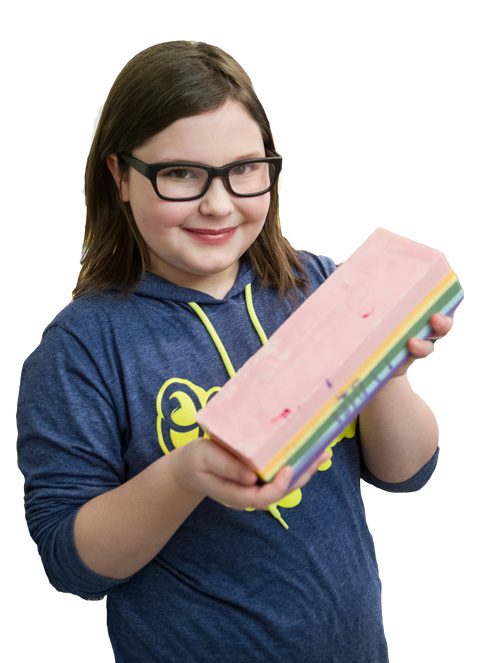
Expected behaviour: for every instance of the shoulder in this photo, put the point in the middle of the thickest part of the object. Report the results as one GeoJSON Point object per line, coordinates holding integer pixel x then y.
{"type": "Point", "coordinates": [317, 267]}
{"type": "Point", "coordinates": [79, 344]}
{"type": "Point", "coordinates": [86, 326]}
{"type": "Point", "coordinates": [92, 316]}
{"type": "Point", "coordinates": [89, 308]}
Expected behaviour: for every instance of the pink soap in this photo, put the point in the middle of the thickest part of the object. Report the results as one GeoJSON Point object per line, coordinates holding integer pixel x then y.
{"type": "Point", "coordinates": [335, 339]}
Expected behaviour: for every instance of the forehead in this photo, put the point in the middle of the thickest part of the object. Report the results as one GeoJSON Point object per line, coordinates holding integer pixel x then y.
{"type": "Point", "coordinates": [216, 137]}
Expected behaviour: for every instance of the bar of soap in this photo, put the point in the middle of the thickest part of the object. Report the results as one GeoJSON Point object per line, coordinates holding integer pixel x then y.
{"type": "Point", "coordinates": [290, 400]}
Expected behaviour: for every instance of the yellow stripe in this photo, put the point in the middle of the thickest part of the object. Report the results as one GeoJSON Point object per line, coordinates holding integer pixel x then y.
{"type": "Point", "coordinates": [407, 324]}
{"type": "Point", "coordinates": [364, 369]}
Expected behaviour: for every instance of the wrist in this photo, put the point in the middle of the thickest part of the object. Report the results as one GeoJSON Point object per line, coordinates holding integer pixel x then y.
{"type": "Point", "coordinates": [397, 384]}
{"type": "Point", "coordinates": [182, 470]}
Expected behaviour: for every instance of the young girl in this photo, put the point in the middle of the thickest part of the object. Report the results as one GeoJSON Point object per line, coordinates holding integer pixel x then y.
{"type": "Point", "coordinates": [184, 275]}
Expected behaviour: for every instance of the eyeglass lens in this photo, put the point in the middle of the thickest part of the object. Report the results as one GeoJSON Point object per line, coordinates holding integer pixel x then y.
{"type": "Point", "coordinates": [188, 181]}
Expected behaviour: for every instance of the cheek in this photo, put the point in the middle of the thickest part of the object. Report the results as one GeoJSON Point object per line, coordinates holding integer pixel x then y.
{"type": "Point", "coordinates": [160, 215]}
{"type": "Point", "coordinates": [256, 209]}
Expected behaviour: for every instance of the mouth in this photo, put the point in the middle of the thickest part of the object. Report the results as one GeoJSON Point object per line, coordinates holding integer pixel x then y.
{"type": "Point", "coordinates": [211, 235]}
{"type": "Point", "coordinates": [210, 231]}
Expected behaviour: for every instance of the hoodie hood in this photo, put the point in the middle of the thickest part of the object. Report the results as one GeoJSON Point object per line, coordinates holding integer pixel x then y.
{"type": "Point", "coordinates": [156, 287]}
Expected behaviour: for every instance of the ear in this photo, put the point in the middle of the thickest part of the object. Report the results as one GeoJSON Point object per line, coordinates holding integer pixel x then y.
{"type": "Point", "coordinates": [112, 162]}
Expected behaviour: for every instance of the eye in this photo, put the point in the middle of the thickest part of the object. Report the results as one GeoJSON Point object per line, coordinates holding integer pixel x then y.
{"type": "Point", "coordinates": [243, 169]}
{"type": "Point", "coordinates": [179, 173]}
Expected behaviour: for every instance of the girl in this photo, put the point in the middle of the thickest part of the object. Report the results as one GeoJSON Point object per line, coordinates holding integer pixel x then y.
{"type": "Point", "coordinates": [124, 495]}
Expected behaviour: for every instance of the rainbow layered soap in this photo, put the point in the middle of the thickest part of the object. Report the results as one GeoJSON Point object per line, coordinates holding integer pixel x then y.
{"type": "Point", "coordinates": [296, 394]}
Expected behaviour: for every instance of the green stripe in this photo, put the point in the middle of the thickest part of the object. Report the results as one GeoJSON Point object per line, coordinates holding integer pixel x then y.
{"type": "Point", "coordinates": [349, 406]}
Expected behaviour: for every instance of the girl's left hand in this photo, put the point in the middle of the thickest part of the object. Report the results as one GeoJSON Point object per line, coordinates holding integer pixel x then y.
{"type": "Point", "coordinates": [419, 347]}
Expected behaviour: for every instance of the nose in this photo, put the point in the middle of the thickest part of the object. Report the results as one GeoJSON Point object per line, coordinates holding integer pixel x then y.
{"type": "Point", "coordinates": [216, 201]}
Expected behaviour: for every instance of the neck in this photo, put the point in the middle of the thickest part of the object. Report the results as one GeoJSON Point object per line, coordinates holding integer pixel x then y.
{"type": "Point", "coordinates": [216, 285]}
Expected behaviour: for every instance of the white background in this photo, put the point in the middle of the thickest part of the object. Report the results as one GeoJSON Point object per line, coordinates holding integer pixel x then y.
{"type": "Point", "coordinates": [374, 107]}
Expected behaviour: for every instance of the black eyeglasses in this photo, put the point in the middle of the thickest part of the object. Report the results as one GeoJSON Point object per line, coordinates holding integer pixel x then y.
{"type": "Point", "coordinates": [183, 180]}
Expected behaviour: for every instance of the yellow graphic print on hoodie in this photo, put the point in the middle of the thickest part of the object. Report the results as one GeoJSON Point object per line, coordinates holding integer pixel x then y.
{"type": "Point", "coordinates": [178, 402]}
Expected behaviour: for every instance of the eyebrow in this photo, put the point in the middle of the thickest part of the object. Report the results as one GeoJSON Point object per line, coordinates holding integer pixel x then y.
{"type": "Point", "coordinates": [249, 155]}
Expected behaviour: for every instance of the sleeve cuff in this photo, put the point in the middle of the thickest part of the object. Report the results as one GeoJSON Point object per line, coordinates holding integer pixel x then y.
{"type": "Point", "coordinates": [412, 484]}
{"type": "Point", "coordinates": [68, 573]}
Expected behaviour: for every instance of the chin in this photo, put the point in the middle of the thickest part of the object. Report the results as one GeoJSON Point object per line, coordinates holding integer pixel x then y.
{"type": "Point", "coordinates": [213, 266]}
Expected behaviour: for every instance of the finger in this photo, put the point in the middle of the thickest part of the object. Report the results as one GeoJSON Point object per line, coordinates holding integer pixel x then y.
{"type": "Point", "coordinates": [273, 490]}
{"type": "Point", "coordinates": [440, 325]}
{"type": "Point", "coordinates": [259, 497]}
{"type": "Point", "coordinates": [219, 462]}
{"type": "Point", "coordinates": [419, 347]}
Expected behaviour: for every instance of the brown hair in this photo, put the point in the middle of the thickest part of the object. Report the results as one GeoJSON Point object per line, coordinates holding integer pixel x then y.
{"type": "Point", "coordinates": [160, 85]}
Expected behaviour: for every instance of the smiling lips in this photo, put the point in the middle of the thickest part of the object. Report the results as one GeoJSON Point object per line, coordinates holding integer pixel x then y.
{"type": "Point", "coordinates": [211, 236]}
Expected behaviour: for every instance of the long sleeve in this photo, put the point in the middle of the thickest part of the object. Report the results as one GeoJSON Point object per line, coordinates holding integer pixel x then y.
{"type": "Point", "coordinates": [69, 450]}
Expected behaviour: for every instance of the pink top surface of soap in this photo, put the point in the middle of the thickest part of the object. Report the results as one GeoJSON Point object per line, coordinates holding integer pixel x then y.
{"type": "Point", "coordinates": [331, 334]}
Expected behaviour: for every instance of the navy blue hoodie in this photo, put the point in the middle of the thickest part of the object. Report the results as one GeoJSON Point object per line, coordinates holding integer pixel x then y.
{"type": "Point", "coordinates": [114, 385]}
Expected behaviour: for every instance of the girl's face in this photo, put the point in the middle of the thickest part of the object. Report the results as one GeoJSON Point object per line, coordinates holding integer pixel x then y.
{"type": "Point", "coordinates": [180, 248]}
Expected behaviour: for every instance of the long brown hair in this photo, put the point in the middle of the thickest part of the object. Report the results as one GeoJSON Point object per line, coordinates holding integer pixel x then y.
{"type": "Point", "coordinates": [160, 85]}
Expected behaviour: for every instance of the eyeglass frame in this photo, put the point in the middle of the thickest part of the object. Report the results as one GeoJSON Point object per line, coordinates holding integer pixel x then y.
{"type": "Point", "coordinates": [150, 170]}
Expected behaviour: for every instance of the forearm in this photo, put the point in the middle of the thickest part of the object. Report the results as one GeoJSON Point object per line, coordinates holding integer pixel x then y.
{"type": "Point", "coordinates": [398, 432]}
{"type": "Point", "coordinates": [120, 531]}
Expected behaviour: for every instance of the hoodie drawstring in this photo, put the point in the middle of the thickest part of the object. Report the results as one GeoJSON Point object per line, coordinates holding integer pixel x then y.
{"type": "Point", "coordinates": [216, 338]}
{"type": "Point", "coordinates": [272, 509]}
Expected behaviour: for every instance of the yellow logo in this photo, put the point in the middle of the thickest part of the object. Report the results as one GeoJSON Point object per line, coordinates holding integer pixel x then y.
{"type": "Point", "coordinates": [177, 404]}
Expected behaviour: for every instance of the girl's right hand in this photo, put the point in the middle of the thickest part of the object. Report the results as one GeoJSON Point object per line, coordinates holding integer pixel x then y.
{"type": "Point", "coordinates": [119, 531]}
{"type": "Point", "coordinates": [204, 468]}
